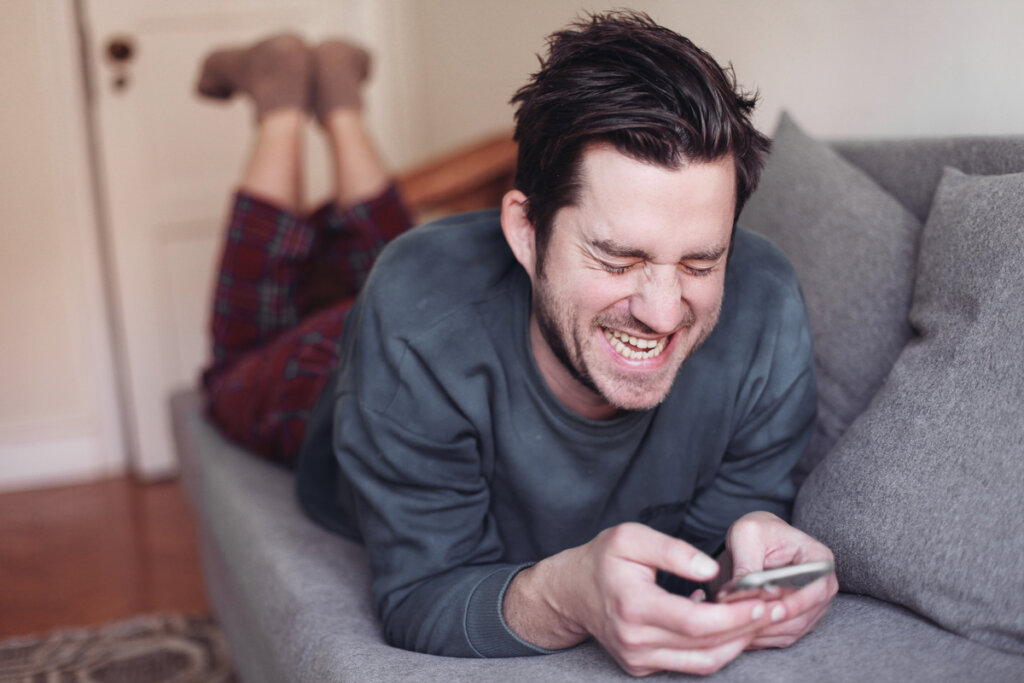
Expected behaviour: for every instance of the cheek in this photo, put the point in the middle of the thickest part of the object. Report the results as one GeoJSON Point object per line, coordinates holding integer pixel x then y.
{"type": "Point", "coordinates": [706, 297]}
{"type": "Point", "coordinates": [588, 292]}
{"type": "Point", "coordinates": [603, 295]}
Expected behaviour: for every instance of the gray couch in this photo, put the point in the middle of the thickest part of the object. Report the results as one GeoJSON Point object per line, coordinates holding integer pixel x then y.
{"type": "Point", "coordinates": [913, 277]}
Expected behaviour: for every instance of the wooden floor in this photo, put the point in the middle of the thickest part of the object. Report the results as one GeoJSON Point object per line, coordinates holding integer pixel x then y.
{"type": "Point", "coordinates": [88, 554]}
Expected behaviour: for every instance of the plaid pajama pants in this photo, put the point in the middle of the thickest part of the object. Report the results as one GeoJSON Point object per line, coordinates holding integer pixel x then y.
{"type": "Point", "coordinates": [284, 286]}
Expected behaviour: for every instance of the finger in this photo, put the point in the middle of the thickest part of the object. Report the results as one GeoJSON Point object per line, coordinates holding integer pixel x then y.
{"type": "Point", "coordinates": [771, 643]}
{"type": "Point", "coordinates": [642, 544]}
{"type": "Point", "coordinates": [646, 637]}
{"type": "Point", "coordinates": [786, 633]}
{"type": "Point", "coordinates": [712, 623]}
{"type": "Point", "coordinates": [793, 604]}
{"type": "Point", "coordinates": [698, 661]}
{"type": "Point", "coordinates": [790, 631]}
{"type": "Point", "coordinates": [797, 626]}
{"type": "Point", "coordinates": [809, 598]}
{"type": "Point", "coordinates": [747, 542]}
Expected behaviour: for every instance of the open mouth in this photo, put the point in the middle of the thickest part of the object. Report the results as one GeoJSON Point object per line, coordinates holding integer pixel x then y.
{"type": "Point", "coordinates": [634, 348]}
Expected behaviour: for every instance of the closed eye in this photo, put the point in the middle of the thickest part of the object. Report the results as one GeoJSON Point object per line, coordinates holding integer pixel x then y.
{"type": "Point", "coordinates": [699, 263]}
{"type": "Point", "coordinates": [699, 272]}
{"type": "Point", "coordinates": [616, 270]}
{"type": "Point", "coordinates": [692, 270]}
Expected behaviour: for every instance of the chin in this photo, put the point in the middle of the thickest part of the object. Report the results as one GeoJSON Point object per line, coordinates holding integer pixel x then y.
{"type": "Point", "coordinates": [638, 398]}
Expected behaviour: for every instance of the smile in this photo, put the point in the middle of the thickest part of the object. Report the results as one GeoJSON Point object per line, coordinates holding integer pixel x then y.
{"type": "Point", "coordinates": [632, 347]}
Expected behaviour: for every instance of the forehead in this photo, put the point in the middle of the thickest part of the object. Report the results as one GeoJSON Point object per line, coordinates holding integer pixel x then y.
{"type": "Point", "coordinates": [652, 208]}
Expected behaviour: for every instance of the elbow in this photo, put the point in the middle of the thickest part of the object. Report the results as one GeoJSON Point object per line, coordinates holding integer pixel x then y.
{"type": "Point", "coordinates": [418, 629]}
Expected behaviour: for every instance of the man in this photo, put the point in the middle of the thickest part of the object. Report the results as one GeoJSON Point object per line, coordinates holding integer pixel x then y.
{"type": "Point", "coordinates": [542, 416]}
{"type": "Point", "coordinates": [533, 419]}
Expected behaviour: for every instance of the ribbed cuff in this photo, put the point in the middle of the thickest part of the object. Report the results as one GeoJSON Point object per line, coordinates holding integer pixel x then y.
{"type": "Point", "coordinates": [486, 630]}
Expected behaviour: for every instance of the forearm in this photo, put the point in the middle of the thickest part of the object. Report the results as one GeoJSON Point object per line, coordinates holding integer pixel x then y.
{"type": "Point", "coordinates": [535, 608]}
{"type": "Point", "coordinates": [457, 614]}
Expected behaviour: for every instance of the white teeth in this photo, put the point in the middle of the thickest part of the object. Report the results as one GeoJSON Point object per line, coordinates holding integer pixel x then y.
{"type": "Point", "coordinates": [648, 348]}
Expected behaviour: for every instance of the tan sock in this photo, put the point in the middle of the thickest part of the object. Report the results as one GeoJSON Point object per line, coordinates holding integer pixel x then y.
{"type": "Point", "coordinates": [339, 69]}
{"type": "Point", "coordinates": [275, 73]}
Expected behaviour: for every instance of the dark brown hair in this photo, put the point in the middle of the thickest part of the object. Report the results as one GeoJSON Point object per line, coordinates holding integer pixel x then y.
{"type": "Point", "coordinates": [623, 79]}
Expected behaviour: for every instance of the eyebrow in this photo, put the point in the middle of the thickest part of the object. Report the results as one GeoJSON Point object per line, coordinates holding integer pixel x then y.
{"type": "Point", "coordinates": [616, 250]}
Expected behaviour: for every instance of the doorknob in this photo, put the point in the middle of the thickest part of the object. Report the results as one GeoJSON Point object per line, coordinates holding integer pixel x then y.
{"type": "Point", "coordinates": [119, 52]}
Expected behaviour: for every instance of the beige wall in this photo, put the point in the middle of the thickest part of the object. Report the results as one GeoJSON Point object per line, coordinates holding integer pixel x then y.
{"type": "Point", "coordinates": [843, 67]}
{"type": "Point", "coordinates": [41, 373]}
{"type": "Point", "coordinates": [58, 418]}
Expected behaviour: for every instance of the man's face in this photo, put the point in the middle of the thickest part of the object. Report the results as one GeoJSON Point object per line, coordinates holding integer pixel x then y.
{"type": "Point", "coordinates": [632, 280]}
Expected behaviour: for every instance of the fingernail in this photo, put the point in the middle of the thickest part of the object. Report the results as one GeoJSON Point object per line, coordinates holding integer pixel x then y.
{"type": "Point", "coordinates": [778, 612]}
{"type": "Point", "coordinates": [703, 566]}
{"type": "Point", "coordinates": [757, 613]}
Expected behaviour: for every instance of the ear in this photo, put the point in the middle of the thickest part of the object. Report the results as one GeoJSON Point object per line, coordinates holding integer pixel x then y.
{"type": "Point", "coordinates": [518, 230]}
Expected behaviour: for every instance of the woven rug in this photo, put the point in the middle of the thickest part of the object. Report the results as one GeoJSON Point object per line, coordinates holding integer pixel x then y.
{"type": "Point", "coordinates": [149, 649]}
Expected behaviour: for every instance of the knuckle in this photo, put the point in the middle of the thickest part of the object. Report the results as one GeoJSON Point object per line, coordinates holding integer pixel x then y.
{"type": "Point", "coordinates": [788, 640]}
{"type": "Point", "coordinates": [713, 665]}
{"type": "Point", "coordinates": [628, 611]}
{"type": "Point", "coordinates": [766, 644]}
{"type": "Point", "coordinates": [630, 641]}
{"type": "Point", "coordinates": [636, 671]}
{"type": "Point", "coordinates": [744, 529]}
{"type": "Point", "coordinates": [781, 640]}
{"type": "Point", "coordinates": [634, 663]}
{"type": "Point", "coordinates": [785, 638]}
{"type": "Point", "coordinates": [712, 668]}
{"type": "Point", "coordinates": [621, 535]}
{"type": "Point", "coordinates": [690, 624]}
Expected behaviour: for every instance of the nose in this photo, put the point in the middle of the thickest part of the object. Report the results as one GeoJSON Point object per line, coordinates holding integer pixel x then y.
{"type": "Point", "coordinates": [660, 301]}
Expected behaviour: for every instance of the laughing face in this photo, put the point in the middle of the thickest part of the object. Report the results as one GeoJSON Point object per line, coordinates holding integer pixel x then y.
{"type": "Point", "coordinates": [632, 279]}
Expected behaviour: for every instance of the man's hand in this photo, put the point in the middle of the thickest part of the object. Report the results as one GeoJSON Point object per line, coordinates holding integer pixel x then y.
{"type": "Point", "coordinates": [606, 589]}
{"type": "Point", "coordinates": [760, 540]}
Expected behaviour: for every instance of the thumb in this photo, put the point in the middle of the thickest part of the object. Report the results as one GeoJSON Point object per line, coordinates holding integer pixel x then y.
{"type": "Point", "coordinates": [746, 545]}
{"type": "Point", "coordinates": [700, 567]}
{"type": "Point", "coordinates": [744, 560]}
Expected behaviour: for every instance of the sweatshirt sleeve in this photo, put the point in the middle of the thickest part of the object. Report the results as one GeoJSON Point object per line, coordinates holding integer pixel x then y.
{"type": "Point", "coordinates": [417, 472]}
{"type": "Point", "coordinates": [422, 510]}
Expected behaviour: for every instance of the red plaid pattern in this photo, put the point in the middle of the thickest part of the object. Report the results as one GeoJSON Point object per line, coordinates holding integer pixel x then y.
{"type": "Point", "coordinates": [284, 286]}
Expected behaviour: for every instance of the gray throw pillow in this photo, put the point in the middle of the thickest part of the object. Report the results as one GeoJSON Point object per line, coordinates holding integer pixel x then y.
{"type": "Point", "coordinates": [853, 246]}
{"type": "Point", "coordinates": [922, 500]}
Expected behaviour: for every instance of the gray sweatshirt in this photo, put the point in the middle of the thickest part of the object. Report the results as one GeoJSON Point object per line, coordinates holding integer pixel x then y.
{"type": "Point", "coordinates": [440, 446]}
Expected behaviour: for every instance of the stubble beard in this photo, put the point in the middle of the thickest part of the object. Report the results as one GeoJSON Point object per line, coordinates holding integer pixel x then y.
{"type": "Point", "coordinates": [574, 361]}
{"type": "Point", "coordinates": [555, 339]}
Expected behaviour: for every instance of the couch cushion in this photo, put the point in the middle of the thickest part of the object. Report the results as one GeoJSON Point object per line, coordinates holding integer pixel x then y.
{"type": "Point", "coordinates": [295, 604]}
{"type": "Point", "coordinates": [910, 169]}
{"type": "Point", "coordinates": [853, 246]}
{"type": "Point", "coordinates": [921, 499]}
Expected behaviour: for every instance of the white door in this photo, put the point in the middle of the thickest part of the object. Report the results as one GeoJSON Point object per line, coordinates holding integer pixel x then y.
{"type": "Point", "coordinates": [168, 164]}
